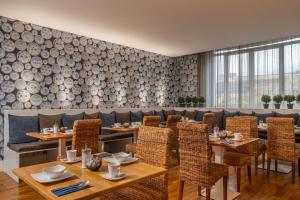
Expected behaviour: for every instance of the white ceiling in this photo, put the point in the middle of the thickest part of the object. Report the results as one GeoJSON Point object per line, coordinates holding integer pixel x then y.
{"type": "Point", "coordinates": [168, 27]}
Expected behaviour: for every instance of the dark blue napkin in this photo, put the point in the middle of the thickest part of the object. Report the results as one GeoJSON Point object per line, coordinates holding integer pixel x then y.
{"type": "Point", "coordinates": [69, 189]}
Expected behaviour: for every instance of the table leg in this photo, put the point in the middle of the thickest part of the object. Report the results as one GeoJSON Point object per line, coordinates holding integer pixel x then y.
{"type": "Point", "coordinates": [61, 148]}
{"type": "Point", "coordinates": [217, 189]}
{"type": "Point", "coordinates": [135, 135]}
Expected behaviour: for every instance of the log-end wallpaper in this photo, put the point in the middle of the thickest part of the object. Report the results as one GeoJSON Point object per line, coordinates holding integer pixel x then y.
{"type": "Point", "coordinates": [46, 68]}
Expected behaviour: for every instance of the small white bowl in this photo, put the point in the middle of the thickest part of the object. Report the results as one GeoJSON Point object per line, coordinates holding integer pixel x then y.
{"type": "Point", "coordinates": [120, 157]}
{"type": "Point", "coordinates": [55, 171]}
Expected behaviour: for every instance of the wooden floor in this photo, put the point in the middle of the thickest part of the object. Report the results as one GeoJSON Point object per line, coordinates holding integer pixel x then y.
{"type": "Point", "coordinates": [278, 186]}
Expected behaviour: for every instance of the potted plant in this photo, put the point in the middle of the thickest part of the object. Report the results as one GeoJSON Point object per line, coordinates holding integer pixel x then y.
{"type": "Point", "coordinates": [181, 101]}
{"type": "Point", "coordinates": [266, 99]}
{"type": "Point", "coordinates": [188, 101]}
{"type": "Point", "coordinates": [290, 99]}
{"type": "Point", "coordinates": [201, 101]}
{"type": "Point", "coordinates": [194, 101]}
{"type": "Point", "coordinates": [277, 101]}
{"type": "Point", "coordinates": [298, 99]}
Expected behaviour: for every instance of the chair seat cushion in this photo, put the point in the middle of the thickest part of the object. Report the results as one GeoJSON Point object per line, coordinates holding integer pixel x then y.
{"type": "Point", "coordinates": [115, 136]}
{"type": "Point", "coordinates": [236, 159]}
{"type": "Point", "coordinates": [34, 146]}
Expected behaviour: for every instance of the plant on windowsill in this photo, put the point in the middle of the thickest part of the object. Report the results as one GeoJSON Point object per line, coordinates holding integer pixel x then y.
{"type": "Point", "coordinates": [277, 99]}
{"type": "Point", "coordinates": [289, 99]}
{"type": "Point", "coordinates": [266, 99]}
{"type": "Point", "coordinates": [201, 101]}
{"type": "Point", "coordinates": [298, 98]}
{"type": "Point", "coordinates": [188, 101]}
{"type": "Point", "coordinates": [181, 101]}
{"type": "Point", "coordinates": [194, 101]}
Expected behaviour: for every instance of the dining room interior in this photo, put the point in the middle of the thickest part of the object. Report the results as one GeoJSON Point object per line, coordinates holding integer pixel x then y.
{"type": "Point", "coordinates": [150, 100]}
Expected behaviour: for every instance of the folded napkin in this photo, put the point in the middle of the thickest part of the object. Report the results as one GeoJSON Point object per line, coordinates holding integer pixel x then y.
{"type": "Point", "coordinates": [69, 189]}
{"type": "Point", "coordinates": [228, 142]}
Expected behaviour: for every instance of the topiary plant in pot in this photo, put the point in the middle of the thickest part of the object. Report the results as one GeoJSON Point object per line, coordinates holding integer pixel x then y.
{"type": "Point", "coordinates": [181, 101]}
{"type": "Point", "coordinates": [194, 101]}
{"type": "Point", "coordinates": [266, 99]}
{"type": "Point", "coordinates": [188, 101]}
{"type": "Point", "coordinates": [290, 99]}
{"type": "Point", "coordinates": [201, 101]}
{"type": "Point", "coordinates": [277, 99]}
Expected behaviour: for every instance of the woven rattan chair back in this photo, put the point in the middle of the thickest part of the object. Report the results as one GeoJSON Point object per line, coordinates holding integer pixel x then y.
{"type": "Point", "coordinates": [209, 119]}
{"type": "Point", "coordinates": [281, 139]}
{"type": "Point", "coordinates": [254, 122]}
{"type": "Point", "coordinates": [240, 125]}
{"type": "Point", "coordinates": [86, 132]}
{"type": "Point", "coordinates": [154, 148]}
{"type": "Point", "coordinates": [151, 121]}
{"type": "Point", "coordinates": [172, 121]}
{"type": "Point", "coordinates": [195, 152]}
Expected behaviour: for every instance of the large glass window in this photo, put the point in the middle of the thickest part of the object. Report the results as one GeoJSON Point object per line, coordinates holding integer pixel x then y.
{"type": "Point", "coordinates": [242, 75]}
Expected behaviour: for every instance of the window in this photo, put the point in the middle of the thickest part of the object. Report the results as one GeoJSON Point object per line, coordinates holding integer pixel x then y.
{"type": "Point", "coordinates": [242, 75]}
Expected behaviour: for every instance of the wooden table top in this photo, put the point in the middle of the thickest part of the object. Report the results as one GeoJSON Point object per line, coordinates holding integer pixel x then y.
{"type": "Point", "coordinates": [48, 137]}
{"type": "Point", "coordinates": [121, 129]}
{"type": "Point", "coordinates": [235, 145]}
{"type": "Point", "coordinates": [136, 172]}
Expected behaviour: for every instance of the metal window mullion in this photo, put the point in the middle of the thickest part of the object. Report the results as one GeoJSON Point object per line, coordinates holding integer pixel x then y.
{"type": "Point", "coordinates": [226, 80]}
{"type": "Point", "coordinates": [281, 70]}
{"type": "Point", "coordinates": [251, 78]}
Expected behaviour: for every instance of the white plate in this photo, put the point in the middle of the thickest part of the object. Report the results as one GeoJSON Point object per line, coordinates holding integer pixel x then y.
{"type": "Point", "coordinates": [108, 177]}
{"type": "Point", "coordinates": [42, 178]}
{"type": "Point", "coordinates": [65, 160]}
{"type": "Point", "coordinates": [129, 160]}
{"type": "Point", "coordinates": [69, 131]}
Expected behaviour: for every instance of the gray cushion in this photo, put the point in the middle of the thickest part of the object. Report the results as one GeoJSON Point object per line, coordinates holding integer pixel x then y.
{"type": "Point", "coordinates": [123, 117]}
{"type": "Point", "coordinates": [47, 121]}
{"type": "Point", "coordinates": [190, 114]}
{"type": "Point", "coordinates": [229, 114]}
{"type": "Point", "coordinates": [68, 120]}
{"type": "Point", "coordinates": [91, 116]}
{"type": "Point", "coordinates": [161, 114]}
{"type": "Point", "coordinates": [219, 119]}
{"type": "Point", "coordinates": [263, 116]}
{"type": "Point", "coordinates": [107, 120]}
{"type": "Point", "coordinates": [34, 146]}
{"type": "Point", "coordinates": [168, 112]}
{"type": "Point", "coordinates": [115, 136]}
{"type": "Point", "coordinates": [136, 116]}
{"type": "Point", "coordinates": [181, 113]}
{"type": "Point", "coordinates": [200, 114]}
{"type": "Point", "coordinates": [19, 126]}
{"type": "Point", "coordinates": [292, 115]}
{"type": "Point", "coordinates": [149, 113]}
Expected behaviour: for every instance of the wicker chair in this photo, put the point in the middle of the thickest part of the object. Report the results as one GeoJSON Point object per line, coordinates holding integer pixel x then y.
{"type": "Point", "coordinates": [154, 148]}
{"type": "Point", "coordinates": [195, 159]}
{"type": "Point", "coordinates": [172, 121]}
{"type": "Point", "coordinates": [241, 124]}
{"type": "Point", "coordinates": [240, 157]}
{"type": "Point", "coordinates": [86, 132]}
{"type": "Point", "coordinates": [209, 119]}
{"type": "Point", "coordinates": [147, 121]}
{"type": "Point", "coordinates": [281, 143]}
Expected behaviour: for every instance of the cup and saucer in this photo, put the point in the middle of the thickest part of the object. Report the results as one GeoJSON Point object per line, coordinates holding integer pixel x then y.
{"type": "Point", "coordinates": [237, 137]}
{"type": "Point", "coordinates": [52, 174]}
{"type": "Point", "coordinates": [71, 157]}
{"type": "Point", "coordinates": [114, 172]}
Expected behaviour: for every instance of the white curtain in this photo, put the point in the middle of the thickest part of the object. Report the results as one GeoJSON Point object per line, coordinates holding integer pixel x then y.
{"type": "Point", "coordinates": [239, 76]}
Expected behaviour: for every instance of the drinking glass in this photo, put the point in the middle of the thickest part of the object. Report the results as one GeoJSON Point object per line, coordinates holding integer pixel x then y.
{"type": "Point", "coordinates": [216, 131]}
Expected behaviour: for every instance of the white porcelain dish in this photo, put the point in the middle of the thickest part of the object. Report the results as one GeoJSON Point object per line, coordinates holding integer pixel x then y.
{"type": "Point", "coordinates": [42, 178]}
{"type": "Point", "coordinates": [54, 172]}
{"type": "Point", "coordinates": [128, 160]}
{"type": "Point", "coordinates": [108, 177]}
{"type": "Point", "coordinates": [65, 160]}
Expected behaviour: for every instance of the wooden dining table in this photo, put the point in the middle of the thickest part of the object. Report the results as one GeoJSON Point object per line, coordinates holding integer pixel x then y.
{"type": "Point", "coordinates": [129, 129]}
{"type": "Point", "coordinates": [136, 172]}
{"type": "Point", "coordinates": [61, 137]}
{"type": "Point", "coordinates": [218, 148]}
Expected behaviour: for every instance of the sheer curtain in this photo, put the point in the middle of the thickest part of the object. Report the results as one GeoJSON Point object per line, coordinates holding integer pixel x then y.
{"type": "Point", "coordinates": [239, 76]}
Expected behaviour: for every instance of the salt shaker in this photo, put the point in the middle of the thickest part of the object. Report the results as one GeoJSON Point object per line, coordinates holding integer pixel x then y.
{"type": "Point", "coordinates": [55, 128]}
{"type": "Point", "coordinates": [86, 155]}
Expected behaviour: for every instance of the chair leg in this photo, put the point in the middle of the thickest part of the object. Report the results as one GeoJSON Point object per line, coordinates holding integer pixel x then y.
{"type": "Point", "coordinates": [177, 154]}
{"type": "Point", "coordinates": [293, 172]}
{"type": "Point", "coordinates": [238, 179]}
{"type": "Point", "coordinates": [256, 164]}
{"type": "Point", "coordinates": [276, 165]}
{"type": "Point", "coordinates": [199, 191]}
{"type": "Point", "coordinates": [263, 160]}
{"type": "Point", "coordinates": [181, 185]}
{"type": "Point", "coordinates": [249, 174]}
{"type": "Point", "coordinates": [225, 182]}
{"type": "Point", "coordinates": [207, 193]}
{"type": "Point", "coordinates": [268, 167]}
{"type": "Point", "coordinates": [299, 166]}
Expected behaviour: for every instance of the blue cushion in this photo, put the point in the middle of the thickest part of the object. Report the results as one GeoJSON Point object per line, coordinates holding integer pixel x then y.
{"type": "Point", "coordinates": [263, 116]}
{"type": "Point", "coordinates": [19, 126]}
{"type": "Point", "coordinates": [229, 114]}
{"type": "Point", "coordinates": [199, 115]}
{"type": "Point", "coordinates": [68, 120]}
{"type": "Point", "coordinates": [136, 116]}
{"type": "Point", "coordinates": [107, 120]}
{"type": "Point", "coordinates": [161, 114]}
